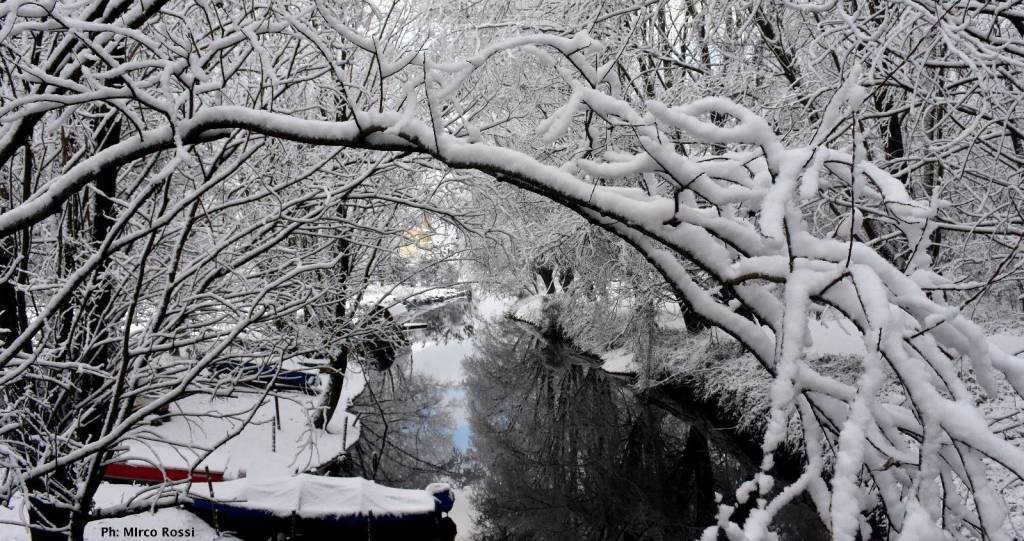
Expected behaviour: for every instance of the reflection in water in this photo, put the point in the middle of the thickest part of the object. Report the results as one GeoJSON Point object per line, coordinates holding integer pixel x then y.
{"type": "Point", "coordinates": [407, 426]}
{"type": "Point", "coordinates": [560, 448]}
{"type": "Point", "coordinates": [566, 451]}
{"type": "Point", "coordinates": [444, 322]}
{"type": "Point", "coordinates": [405, 437]}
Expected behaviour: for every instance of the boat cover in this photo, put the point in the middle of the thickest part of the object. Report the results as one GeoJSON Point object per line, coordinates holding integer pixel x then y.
{"type": "Point", "coordinates": [313, 496]}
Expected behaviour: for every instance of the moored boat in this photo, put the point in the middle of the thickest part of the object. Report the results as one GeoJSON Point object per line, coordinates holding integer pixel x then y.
{"type": "Point", "coordinates": [123, 472]}
{"type": "Point", "coordinates": [315, 507]}
{"type": "Point", "coordinates": [260, 375]}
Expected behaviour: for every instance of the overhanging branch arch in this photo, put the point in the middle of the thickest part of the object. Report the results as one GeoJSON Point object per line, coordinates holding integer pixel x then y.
{"type": "Point", "coordinates": [734, 216]}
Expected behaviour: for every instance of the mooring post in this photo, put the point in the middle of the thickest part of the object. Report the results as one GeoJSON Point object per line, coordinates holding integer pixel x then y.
{"type": "Point", "coordinates": [344, 434]}
{"type": "Point", "coordinates": [213, 506]}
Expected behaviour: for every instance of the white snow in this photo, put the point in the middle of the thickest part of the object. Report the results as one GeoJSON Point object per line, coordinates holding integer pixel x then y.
{"type": "Point", "coordinates": [10, 517]}
{"type": "Point", "coordinates": [619, 361]}
{"type": "Point", "coordinates": [108, 495]}
{"type": "Point", "coordinates": [389, 294]}
{"type": "Point", "coordinates": [162, 518]}
{"type": "Point", "coordinates": [836, 337]}
{"type": "Point", "coordinates": [789, 272]}
{"type": "Point", "coordinates": [529, 309]}
{"type": "Point", "coordinates": [315, 496]}
{"type": "Point", "coordinates": [196, 438]}
{"type": "Point", "coordinates": [464, 514]}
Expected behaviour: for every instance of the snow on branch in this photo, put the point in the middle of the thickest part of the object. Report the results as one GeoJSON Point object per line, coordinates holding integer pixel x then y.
{"type": "Point", "coordinates": [705, 190]}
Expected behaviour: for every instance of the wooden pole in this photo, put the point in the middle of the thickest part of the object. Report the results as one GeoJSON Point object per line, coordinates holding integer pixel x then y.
{"type": "Point", "coordinates": [213, 506]}
{"type": "Point", "coordinates": [344, 435]}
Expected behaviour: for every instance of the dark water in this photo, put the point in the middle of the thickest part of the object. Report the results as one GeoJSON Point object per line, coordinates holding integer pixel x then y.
{"type": "Point", "coordinates": [559, 449]}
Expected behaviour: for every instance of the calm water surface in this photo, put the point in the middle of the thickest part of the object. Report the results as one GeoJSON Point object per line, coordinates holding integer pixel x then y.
{"type": "Point", "coordinates": [548, 445]}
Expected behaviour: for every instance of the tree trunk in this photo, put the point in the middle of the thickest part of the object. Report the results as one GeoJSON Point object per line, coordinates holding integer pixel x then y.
{"type": "Point", "coordinates": [93, 328]}
{"type": "Point", "coordinates": [335, 383]}
{"type": "Point", "coordinates": [338, 365]}
{"type": "Point", "coordinates": [10, 326]}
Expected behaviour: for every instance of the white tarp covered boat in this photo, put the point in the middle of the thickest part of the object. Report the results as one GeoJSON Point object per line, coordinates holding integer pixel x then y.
{"type": "Point", "coordinates": [312, 505]}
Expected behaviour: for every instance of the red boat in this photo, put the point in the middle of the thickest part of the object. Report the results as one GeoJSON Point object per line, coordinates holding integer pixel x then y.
{"type": "Point", "coordinates": [145, 473]}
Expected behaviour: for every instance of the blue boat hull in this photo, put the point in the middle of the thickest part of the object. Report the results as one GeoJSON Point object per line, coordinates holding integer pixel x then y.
{"type": "Point", "coordinates": [260, 375]}
{"type": "Point", "coordinates": [256, 524]}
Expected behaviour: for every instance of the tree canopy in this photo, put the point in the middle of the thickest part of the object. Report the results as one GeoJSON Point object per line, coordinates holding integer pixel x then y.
{"type": "Point", "coordinates": [193, 174]}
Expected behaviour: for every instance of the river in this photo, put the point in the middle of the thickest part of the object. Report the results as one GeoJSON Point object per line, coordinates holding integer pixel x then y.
{"type": "Point", "coordinates": [542, 443]}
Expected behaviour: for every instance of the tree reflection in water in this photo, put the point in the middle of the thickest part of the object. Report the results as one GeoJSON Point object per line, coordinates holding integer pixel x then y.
{"type": "Point", "coordinates": [406, 434]}
{"type": "Point", "coordinates": [560, 448]}
{"type": "Point", "coordinates": [567, 451]}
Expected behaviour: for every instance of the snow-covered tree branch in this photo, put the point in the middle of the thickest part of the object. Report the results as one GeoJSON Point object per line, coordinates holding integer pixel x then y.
{"type": "Point", "coordinates": [191, 175]}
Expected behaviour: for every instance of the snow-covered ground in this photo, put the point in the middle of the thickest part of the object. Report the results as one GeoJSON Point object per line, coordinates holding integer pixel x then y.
{"type": "Point", "coordinates": [195, 435]}
{"type": "Point", "coordinates": [211, 431]}
{"type": "Point", "coordinates": [619, 361]}
{"type": "Point", "coordinates": [529, 309]}
{"type": "Point", "coordinates": [413, 295]}
{"type": "Point", "coordinates": [464, 514]}
{"type": "Point", "coordinates": [150, 525]}
{"type": "Point", "coordinates": [718, 370]}
{"type": "Point", "coordinates": [236, 434]}
{"type": "Point", "coordinates": [737, 384]}
{"type": "Point", "coordinates": [10, 517]}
